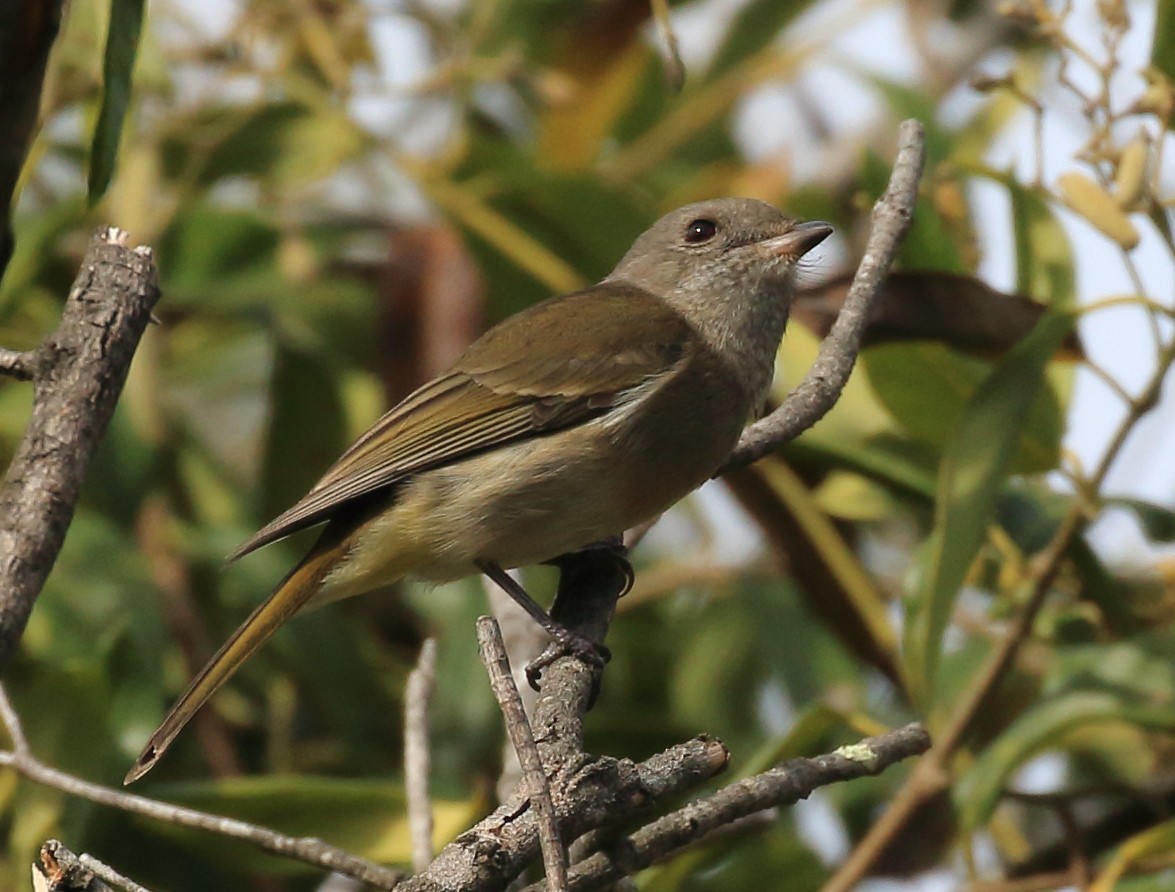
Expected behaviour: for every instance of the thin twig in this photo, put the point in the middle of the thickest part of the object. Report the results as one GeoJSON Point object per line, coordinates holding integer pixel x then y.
{"type": "Point", "coordinates": [109, 874]}
{"type": "Point", "coordinates": [784, 785]}
{"type": "Point", "coordinates": [16, 364]}
{"type": "Point", "coordinates": [78, 374]}
{"type": "Point", "coordinates": [822, 385]}
{"type": "Point", "coordinates": [417, 753]}
{"type": "Point", "coordinates": [497, 663]}
{"type": "Point", "coordinates": [312, 851]}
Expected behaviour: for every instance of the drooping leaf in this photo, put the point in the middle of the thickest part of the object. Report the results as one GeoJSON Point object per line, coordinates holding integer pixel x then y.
{"type": "Point", "coordinates": [1157, 522]}
{"type": "Point", "coordinates": [978, 791]}
{"type": "Point", "coordinates": [976, 459]}
{"type": "Point", "coordinates": [923, 305]}
{"type": "Point", "coordinates": [122, 46]}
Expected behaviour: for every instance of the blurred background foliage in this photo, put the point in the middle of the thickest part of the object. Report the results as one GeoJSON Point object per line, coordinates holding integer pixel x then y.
{"type": "Point", "coordinates": [329, 237]}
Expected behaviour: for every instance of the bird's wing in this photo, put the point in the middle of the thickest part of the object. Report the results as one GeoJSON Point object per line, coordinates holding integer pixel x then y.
{"type": "Point", "coordinates": [527, 376]}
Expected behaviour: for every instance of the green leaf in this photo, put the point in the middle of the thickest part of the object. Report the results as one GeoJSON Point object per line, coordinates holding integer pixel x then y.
{"type": "Point", "coordinates": [1157, 522]}
{"type": "Point", "coordinates": [978, 791]}
{"type": "Point", "coordinates": [122, 46]}
{"type": "Point", "coordinates": [306, 427]}
{"type": "Point", "coordinates": [756, 25]}
{"type": "Point", "coordinates": [1163, 50]}
{"type": "Point", "coordinates": [970, 479]}
{"type": "Point", "coordinates": [926, 388]}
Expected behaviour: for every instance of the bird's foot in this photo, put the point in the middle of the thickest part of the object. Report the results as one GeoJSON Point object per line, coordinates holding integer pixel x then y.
{"type": "Point", "coordinates": [566, 643]}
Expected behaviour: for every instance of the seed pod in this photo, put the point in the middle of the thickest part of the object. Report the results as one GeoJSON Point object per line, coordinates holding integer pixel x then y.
{"type": "Point", "coordinates": [1130, 181]}
{"type": "Point", "coordinates": [1097, 206]}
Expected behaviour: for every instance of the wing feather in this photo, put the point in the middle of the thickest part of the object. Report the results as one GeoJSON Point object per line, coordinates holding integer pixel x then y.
{"type": "Point", "coordinates": [546, 384]}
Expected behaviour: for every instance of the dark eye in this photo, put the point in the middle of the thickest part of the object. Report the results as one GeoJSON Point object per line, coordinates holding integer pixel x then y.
{"type": "Point", "coordinates": [700, 231]}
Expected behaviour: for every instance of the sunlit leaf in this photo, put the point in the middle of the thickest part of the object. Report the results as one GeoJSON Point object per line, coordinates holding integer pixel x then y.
{"type": "Point", "coordinates": [976, 459]}
{"type": "Point", "coordinates": [122, 46]}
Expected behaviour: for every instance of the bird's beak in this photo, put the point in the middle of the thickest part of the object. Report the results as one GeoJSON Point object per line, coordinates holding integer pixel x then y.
{"type": "Point", "coordinates": [798, 241]}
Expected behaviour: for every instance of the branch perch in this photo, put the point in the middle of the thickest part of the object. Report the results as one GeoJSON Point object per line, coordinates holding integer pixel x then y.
{"type": "Point", "coordinates": [822, 385]}
{"type": "Point", "coordinates": [783, 785]}
{"type": "Point", "coordinates": [77, 373]}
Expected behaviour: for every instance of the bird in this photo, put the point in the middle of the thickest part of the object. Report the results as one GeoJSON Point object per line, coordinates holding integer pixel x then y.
{"type": "Point", "coordinates": [561, 427]}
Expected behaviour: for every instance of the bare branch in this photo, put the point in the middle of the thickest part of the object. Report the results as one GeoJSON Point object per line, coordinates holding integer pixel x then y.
{"type": "Point", "coordinates": [784, 785]}
{"type": "Point", "coordinates": [825, 380]}
{"type": "Point", "coordinates": [78, 373]}
{"type": "Point", "coordinates": [302, 848]}
{"type": "Point", "coordinates": [493, 655]}
{"type": "Point", "coordinates": [417, 753]}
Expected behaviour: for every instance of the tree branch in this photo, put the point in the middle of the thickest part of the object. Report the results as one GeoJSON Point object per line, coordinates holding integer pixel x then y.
{"type": "Point", "coordinates": [302, 848]}
{"type": "Point", "coordinates": [78, 373]}
{"type": "Point", "coordinates": [417, 762]}
{"type": "Point", "coordinates": [822, 385]}
{"type": "Point", "coordinates": [493, 655]}
{"type": "Point", "coordinates": [784, 785]}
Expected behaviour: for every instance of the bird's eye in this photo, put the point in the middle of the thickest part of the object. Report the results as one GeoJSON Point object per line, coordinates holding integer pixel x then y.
{"type": "Point", "coordinates": [700, 231]}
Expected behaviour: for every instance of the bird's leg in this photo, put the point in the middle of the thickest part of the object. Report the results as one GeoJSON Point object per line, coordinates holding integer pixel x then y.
{"type": "Point", "coordinates": [563, 641]}
{"type": "Point", "coordinates": [591, 580]}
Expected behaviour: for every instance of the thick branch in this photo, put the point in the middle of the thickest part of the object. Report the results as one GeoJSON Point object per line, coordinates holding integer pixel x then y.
{"type": "Point", "coordinates": [784, 785]}
{"type": "Point", "coordinates": [78, 373]}
{"type": "Point", "coordinates": [63, 871]}
{"type": "Point", "coordinates": [825, 380]}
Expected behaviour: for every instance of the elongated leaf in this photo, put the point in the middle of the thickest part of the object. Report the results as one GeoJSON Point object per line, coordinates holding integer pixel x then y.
{"type": "Point", "coordinates": [927, 387]}
{"type": "Point", "coordinates": [122, 46]}
{"type": "Point", "coordinates": [1157, 840]}
{"type": "Point", "coordinates": [972, 472]}
{"type": "Point", "coordinates": [1163, 50]}
{"type": "Point", "coordinates": [307, 427]}
{"type": "Point", "coordinates": [1044, 258]}
{"type": "Point", "coordinates": [978, 791]}
{"type": "Point", "coordinates": [756, 25]}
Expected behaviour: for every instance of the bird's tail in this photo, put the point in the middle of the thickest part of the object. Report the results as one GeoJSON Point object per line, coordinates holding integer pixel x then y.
{"type": "Point", "coordinates": [287, 599]}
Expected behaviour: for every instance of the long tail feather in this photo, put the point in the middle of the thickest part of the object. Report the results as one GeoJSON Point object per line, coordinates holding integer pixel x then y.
{"type": "Point", "coordinates": [287, 599]}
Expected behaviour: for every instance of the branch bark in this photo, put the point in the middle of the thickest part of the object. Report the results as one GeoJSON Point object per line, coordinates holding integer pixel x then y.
{"type": "Point", "coordinates": [783, 785]}
{"type": "Point", "coordinates": [77, 373]}
{"type": "Point", "coordinates": [822, 385]}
